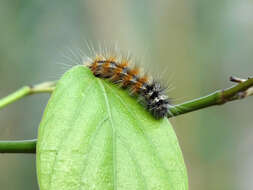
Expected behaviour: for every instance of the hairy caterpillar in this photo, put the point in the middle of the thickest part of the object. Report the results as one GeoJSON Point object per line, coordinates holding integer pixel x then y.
{"type": "Point", "coordinates": [118, 70]}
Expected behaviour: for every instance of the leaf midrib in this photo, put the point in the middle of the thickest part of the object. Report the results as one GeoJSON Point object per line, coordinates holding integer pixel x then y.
{"type": "Point", "coordinates": [113, 134]}
{"type": "Point", "coordinates": [152, 147]}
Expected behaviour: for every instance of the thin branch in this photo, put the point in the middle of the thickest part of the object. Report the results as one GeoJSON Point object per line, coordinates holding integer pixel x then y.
{"type": "Point", "coordinates": [45, 87]}
{"type": "Point", "coordinates": [24, 146]}
{"type": "Point", "coordinates": [242, 89]}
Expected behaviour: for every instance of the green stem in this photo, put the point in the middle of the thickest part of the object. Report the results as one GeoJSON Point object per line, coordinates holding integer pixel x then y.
{"type": "Point", "coordinates": [239, 91]}
{"type": "Point", "coordinates": [25, 146]}
{"type": "Point", "coordinates": [46, 87]}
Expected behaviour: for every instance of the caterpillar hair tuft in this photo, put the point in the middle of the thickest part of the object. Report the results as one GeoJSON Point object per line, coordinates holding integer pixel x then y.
{"type": "Point", "coordinates": [128, 76]}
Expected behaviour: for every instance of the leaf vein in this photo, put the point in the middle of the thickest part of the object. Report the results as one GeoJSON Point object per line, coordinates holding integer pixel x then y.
{"type": "Point", "coordinates": [113, 135]}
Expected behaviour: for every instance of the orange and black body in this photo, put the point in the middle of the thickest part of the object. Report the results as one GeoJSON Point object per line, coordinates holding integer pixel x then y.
{"type": "Point", "coordinates": [118, 71]}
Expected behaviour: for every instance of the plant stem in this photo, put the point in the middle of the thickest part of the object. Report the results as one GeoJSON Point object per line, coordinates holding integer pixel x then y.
{"type": "Point", "coordinates": [243, 89]}
{"type": "Point", "coordinates": [25, 146]}
{"type": "Point", "coordinates": [45, 87]}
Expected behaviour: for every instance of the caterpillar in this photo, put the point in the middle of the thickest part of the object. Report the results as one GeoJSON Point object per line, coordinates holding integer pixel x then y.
{"type": "Point", "coordinates": [118, 70]}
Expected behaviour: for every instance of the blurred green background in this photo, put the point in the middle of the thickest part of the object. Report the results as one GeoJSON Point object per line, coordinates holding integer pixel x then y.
{"type": "Point", "coordinates": [203, 42]}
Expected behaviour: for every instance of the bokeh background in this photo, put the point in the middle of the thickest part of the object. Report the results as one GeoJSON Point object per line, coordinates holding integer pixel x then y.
{"type": "Point", "coordinates": [202, 42]}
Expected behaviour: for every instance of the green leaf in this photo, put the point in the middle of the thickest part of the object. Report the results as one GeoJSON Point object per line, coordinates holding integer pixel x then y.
{"type": "Point", "coordinates": [93, 135]}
